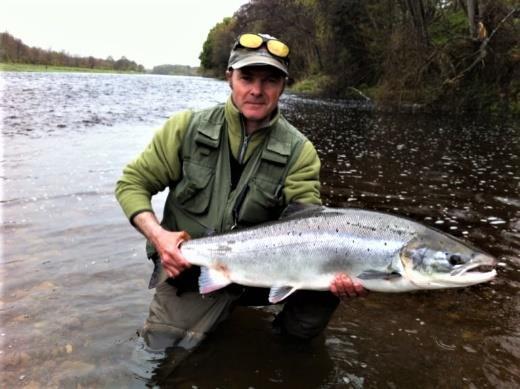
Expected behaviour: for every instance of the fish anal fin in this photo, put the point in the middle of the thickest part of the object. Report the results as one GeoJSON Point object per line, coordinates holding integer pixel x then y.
{"type": "Point", "coordinates": [277, 294]}
{"type": "Point", "coordinates": [211, 280]}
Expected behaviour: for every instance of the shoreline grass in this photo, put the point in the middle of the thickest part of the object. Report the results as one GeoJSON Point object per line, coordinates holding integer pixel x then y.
{"type": "Point", "coordinates": [21, 67]}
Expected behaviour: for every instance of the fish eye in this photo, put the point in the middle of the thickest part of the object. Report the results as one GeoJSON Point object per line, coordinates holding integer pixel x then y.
{"type": "Point", "coordinates": [455, 259]}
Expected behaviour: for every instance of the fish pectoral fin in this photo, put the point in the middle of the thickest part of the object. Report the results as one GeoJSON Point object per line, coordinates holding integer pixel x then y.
{"type": "Point", "coordinates": [277, 294]}
{"type": "Point", "coordinates": [375, 274]}
{"type": "Point", "coordinates": [211, 280]}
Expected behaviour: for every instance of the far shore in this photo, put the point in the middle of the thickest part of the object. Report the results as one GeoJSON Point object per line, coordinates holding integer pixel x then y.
{"type": "Point", "coordinates": [19, 67]}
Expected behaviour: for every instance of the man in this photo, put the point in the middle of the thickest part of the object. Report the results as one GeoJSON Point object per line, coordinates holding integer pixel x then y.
{"type": "Point", "coordinates": [233, 165]}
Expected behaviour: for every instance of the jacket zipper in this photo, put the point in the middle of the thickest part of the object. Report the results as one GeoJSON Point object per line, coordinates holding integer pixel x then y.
{"type": "Point", "coordinates": [241, 156]}
{"type": "Point", "coordinates": [243, 149]}
{"type": "Point", "coordinates": [244, 143]}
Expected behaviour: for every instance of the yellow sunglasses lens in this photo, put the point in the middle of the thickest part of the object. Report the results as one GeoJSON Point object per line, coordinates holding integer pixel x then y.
{"type": "Point", "coordinates": [251, 41]}
{"type": "Point", "coordinates": [278, 48]}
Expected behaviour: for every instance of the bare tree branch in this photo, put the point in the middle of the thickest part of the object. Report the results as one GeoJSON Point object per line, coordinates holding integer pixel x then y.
{"type": "Point", "coordinates": [481, 50]}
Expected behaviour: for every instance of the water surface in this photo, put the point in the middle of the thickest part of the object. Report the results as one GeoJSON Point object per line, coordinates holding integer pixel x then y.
{"type": "Point", "coordinates": [74, 273]}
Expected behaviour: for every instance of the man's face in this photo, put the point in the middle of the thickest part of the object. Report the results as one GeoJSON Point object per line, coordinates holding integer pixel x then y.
{"type": "Point", "coordinates": [255, 90]}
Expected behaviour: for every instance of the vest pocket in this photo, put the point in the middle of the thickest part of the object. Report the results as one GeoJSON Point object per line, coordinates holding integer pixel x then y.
{"type": "Point", "coordinates": [261, 203]}
{"type": "Point", "coordinates": [193, 192]}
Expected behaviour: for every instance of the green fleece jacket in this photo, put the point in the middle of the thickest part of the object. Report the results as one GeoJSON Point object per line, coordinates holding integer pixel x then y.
{"type": "Point", "coordinates": [159, 165]}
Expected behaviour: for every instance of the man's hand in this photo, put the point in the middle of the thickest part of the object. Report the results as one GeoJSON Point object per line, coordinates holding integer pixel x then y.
{"type": "Point", "coordinates": [165, 242]}
{"type": "Point", "coordinates": [343, 286]}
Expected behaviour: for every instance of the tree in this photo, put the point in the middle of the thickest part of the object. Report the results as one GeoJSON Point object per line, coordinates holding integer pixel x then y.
{"type": "Point", "coordinates": [215, 51]}
{"type": "Point", "coordinates": [15, 51]}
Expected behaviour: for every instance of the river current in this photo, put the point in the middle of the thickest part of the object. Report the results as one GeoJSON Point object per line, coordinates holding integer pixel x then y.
{"type": "Point", "coordinates": [74, 274]}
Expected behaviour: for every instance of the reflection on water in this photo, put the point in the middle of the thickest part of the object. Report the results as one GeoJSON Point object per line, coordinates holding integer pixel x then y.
{"type": "Point", "coordinates": [74, 274]}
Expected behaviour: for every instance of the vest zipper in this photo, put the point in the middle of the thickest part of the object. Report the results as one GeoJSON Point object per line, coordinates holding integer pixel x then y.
{"type": "Point", "coordinates": [244, 143]}
{"type": "Point", "coordinates": [243, 149]}
{"type": "Point", "coordinates": [240, 158]}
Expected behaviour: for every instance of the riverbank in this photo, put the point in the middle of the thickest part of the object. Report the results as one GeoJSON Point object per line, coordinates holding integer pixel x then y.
{"type": "Point", "coordinates": [21, 67]}
{"type": "Point", "coordinates": [424, 99]}
{"type": "Point", "coordinates": [321, 85]}
{"type": "Point", "coordinates": [452, 57]}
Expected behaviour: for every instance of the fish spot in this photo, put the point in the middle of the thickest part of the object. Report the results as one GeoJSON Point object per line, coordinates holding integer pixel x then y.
{"type": "Point", "coordinates": [224, 248]}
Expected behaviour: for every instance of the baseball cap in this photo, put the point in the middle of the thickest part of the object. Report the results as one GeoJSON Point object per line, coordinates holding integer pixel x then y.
{"type": "Point", "coordinates": [259, 50]}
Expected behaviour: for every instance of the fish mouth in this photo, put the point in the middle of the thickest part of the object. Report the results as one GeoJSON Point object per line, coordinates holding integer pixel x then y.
{"type": "Point", "coordinates": [480, 269]}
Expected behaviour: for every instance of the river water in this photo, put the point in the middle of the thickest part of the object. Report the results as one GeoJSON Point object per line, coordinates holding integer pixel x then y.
{"type": "Point", "coordinates": [74, 274]}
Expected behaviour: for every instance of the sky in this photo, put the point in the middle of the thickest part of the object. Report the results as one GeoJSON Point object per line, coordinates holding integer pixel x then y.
{"type": "Point", "coordinates": [149, 32]}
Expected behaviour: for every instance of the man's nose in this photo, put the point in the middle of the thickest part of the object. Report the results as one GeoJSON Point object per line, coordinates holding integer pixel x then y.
{"type": "Point", "coordinates": [256, 88]}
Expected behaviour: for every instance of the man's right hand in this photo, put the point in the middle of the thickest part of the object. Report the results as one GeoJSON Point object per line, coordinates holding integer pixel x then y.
{"type": "Point", "coordinates": [166, 242]}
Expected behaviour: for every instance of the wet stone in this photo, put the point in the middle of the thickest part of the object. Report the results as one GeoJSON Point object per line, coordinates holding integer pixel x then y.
{"type": "Point", "coordinates": [46, 285]}
{"type": "Point", "coordinates": [15, 359]}
{"type": "Point", "coordinates": [33, 385]}
{"type": "Point", "coordinates": [73, 323]}
{"type": "Point", "coordinates": [71, 369]}
{"type": "Point", "coordinates": [49, 365]}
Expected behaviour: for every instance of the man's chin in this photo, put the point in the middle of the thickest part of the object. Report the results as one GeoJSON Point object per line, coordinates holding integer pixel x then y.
{"type": "Point", "coordinates": [255, 116]}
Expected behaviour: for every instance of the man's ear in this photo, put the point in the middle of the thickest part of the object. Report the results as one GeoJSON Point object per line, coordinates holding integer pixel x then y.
{"type": "Point", "coordinates": [285, 80]}
{"type": "Point", "coordinates": [229, 73]}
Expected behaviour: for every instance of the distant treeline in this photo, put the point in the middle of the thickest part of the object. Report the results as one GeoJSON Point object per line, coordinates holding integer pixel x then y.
{"type": "Point", "coordinates": [13, 50]}
{"type": "Point", "coordinates": [459, 54]}
{"type": "Point", "coordinates": [181, 70]}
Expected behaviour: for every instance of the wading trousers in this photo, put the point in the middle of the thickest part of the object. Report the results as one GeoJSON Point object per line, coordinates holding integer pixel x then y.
{"type": "Point", "coordinates": [183, 320]}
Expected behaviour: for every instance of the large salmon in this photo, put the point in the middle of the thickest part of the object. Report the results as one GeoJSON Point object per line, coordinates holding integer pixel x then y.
{"type": "Point", "coordinates": [385, 253]}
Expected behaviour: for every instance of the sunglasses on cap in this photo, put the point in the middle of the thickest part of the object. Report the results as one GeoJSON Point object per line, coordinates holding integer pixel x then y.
{"type": "Point", "coordinates": [255, 41]}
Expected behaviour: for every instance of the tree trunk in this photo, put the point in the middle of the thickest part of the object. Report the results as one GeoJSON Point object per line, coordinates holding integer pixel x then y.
{"type": "Point", "coordinates": [416, 9]}
{"type": "Point", "coordinates": [472, 12]}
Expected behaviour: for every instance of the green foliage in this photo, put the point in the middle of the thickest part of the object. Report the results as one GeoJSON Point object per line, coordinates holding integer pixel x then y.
{"type": "Point", "coordinates": [215, 50]}
{"type": "Point", "coordinates": [401, 52]}
{"type": "Point", "coordinates": [21, 67]}
{"type": "Point", "coordinates": [313, 85]}
{"type": "Point", "coordinates": [181, 70]}
{"type": "Point", "coordinates": [452, 25]}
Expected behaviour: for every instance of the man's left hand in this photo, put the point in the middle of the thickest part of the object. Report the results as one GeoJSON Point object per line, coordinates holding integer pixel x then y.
{"type": "Point", "coordinates": [343, 286]}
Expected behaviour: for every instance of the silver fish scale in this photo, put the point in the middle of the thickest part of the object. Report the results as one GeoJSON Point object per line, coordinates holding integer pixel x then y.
{"type": "Point", "coordinates": [306, 251]}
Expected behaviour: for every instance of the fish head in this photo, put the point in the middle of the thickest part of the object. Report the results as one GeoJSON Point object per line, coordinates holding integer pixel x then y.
{"type": "Point", "coordinates": [436, 260]}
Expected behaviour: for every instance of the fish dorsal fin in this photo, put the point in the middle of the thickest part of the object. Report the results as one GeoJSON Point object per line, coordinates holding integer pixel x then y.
{"type": "Point", "coordinates": [277, 294]}
{"type": "Point", "coordinates": [300, 210]}
{"type": "Point", "coordinates": [211, 280]}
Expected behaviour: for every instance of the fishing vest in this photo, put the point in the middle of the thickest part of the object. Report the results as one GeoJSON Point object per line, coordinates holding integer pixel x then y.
{"type": "Point", "coordinates": [202, 202]}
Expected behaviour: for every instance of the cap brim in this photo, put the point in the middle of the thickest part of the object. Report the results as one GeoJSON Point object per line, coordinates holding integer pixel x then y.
{"type": "Point", "coordinates": [260, 60]}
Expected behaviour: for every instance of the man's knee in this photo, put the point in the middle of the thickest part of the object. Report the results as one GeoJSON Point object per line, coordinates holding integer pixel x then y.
{"type": "Point", "coordinates": [306, 314]}
{"type": "Point", "coordinates": [183, 320]}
